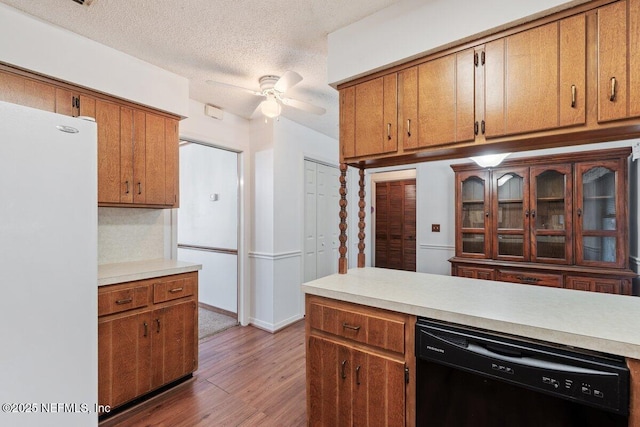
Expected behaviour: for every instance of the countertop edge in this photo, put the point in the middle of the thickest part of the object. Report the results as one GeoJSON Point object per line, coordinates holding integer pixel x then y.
{"type": "Point", "coordinates": [610, 346]}
{"type": "Point", "coordinates": [111, 274]}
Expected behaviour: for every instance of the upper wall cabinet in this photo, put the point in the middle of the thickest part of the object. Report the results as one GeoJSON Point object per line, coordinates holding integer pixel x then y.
{"type": "Point", "coordinates": [437, 101]}
{"type": "Point", "coordinates": [137, 149]}
{"type": "Point", "coordinates": [368, 117]}
{"type": "Point", "coordinates": [619, 61]}
{"type": "Point", "coordinates": [535, 79]}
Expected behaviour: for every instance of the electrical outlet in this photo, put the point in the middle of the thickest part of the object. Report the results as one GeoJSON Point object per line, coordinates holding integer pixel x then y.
{"type": "Point", "coordinates": [435, 228]}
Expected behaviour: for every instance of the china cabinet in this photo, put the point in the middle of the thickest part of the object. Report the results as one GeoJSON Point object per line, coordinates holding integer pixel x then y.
{"type": "Point", "coordinates": [558, 221]}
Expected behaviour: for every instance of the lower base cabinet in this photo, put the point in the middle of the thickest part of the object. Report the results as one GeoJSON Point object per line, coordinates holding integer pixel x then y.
{"type": "Point", "coordinates": [147, 336]}
{"type": "Point", "coordinates": [358, 365]}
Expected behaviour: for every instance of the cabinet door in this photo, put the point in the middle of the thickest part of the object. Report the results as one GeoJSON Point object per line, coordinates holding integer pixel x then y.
{"type": "Point", "coordinates": [24, 91]}
{"type": "Point", "coordinates": [329, 378]}
{"type": "Point", "coordinates": [510, 213]}
{"type": "Point", "coordinates": [473, 238]}
{"type": "Point", "coordinates": [107, 115]}
{"type": "Point", "coordinates": [378, 390]}
{"type": "Point", "coordinates": [551, 198]}
{"type": "Point", "coordinates": [446, 100]}
{"type": "Point", "coordinates": [526, 73]}
{"type": "Point", "coordinates": [376, 116]}
{"type": "Point", "coordinates": [174, 343]}
{"type": "Point", "coordinates": [408, 107]}
{"type": "Point", "coordinates": [124, 355]}
{"type": "Point", "coordinates": [348, 122]}
{"type": "Point", "coordinates": [476, 273]}
{"type": "Point", "coordinates": [608, 286]}
{"type": "Point", "coordinates": [619, 60]}
{"type": "Point", "coordinates": [155, 158]}
{"type": "Point", "coordinates": [126, 155]}
{"type": "Point", "coordinates": [67, 102]}
{"type": "Point", "coordinates": [171, 162]}
{"type": "Point", "coordinates": [600, 214]}
{"type": "Point", "coordinates": [139, 183]}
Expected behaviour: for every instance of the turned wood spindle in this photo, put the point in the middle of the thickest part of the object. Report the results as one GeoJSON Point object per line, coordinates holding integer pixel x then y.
{"type": "Point", "coordinates": [342, 260]}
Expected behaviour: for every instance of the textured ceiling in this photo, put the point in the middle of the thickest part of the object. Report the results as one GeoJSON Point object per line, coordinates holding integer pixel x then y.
{"type": "Point", "coordinates": [230, 41]}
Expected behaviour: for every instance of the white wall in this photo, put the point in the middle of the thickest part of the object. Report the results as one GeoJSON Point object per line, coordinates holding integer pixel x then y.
{"type": "Point", "coordinates": [411, 28]}
{"type": "Point", "coordinates": [279, 149]}
{"type": "Point", "coordinates": [233, 133]}
{"type": "Point", "coordinates": [29, 43]}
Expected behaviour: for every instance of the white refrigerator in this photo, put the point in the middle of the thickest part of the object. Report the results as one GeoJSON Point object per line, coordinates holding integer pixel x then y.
{"type": "Point", "coordinates": [48, 269]}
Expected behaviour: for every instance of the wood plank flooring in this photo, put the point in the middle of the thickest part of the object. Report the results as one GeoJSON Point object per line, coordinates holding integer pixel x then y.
{"type": "Point", "coordinates": [246, 377]}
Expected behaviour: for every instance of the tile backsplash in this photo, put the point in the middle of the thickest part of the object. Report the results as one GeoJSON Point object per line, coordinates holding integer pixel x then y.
{"type": "Point", "coordinates": [130, 234]}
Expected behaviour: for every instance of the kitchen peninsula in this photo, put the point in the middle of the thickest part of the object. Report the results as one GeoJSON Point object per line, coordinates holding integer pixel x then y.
{"type": "Point", "coordinates": [586, 320]}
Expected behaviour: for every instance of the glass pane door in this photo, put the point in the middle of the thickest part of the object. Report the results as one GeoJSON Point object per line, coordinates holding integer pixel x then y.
{"type": "Point", "coordinates": [550, 211]}
{"type": "Point", "coordinates": [511, 213]}
{"type": "Point", "coordinates": [598, 215]}
{"type": "Point", "coordinates": [473, 214]}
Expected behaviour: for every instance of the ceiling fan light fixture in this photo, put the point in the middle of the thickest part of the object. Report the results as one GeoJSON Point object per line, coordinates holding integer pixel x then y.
{"type": "Point", "coordinates": [270, 107]}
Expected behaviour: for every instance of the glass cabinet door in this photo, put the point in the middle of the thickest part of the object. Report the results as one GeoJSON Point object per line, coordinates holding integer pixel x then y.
{"type": "Point", "coordinates": [598, 213]}
{"type": "Point", "coordinates": [472, 215]}
{"type": "Point", "coordinates": [550, 214]}
{"type": "Point", "coordinates": [510, 214]}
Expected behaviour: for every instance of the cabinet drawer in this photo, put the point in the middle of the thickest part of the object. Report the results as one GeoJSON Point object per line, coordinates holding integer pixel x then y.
{"type": "Point", "coordinates": [530, 278]}
{"type": "Point", "coordinates": [176, 288]}
{"type": "Point", "coordinates": [371, 327]}
{"type": "Point", "coordinates": [123, 299]}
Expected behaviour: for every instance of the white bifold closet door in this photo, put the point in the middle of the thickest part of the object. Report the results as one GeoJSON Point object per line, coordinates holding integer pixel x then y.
{"type": "Point", "coordinates": [321, 220]}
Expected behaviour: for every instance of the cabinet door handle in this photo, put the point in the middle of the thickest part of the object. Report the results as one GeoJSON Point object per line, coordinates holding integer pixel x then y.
{"type": "Point", "coordinates": [573, 96]}
{"type": "Point", "coordinates": [358, 375]}
{"type": "Point", "coordinates": [533, 213]}
{"type": "Point", "coordinates": [124, 301]}
{"type": "Point", "coordinates": [526, 213]}
{"type": "Point", "coordinates": [345, 325]}
{"type": "Point", "coordinates": [482, 125]}
{"type": "Point", "coordinates": [158, 326]}
{"type": "Point", "coordinates": [174, 290]}
{"type": "Point", "coordinates": [579, 212]}
{"type": "Point", "coordinates": [139, 188]}
{"type": "Point", "coordinates": [612, 98]}
{"type": "Point", "coordinates": [486, 214]}
{"type": "Point", "coordinates": [145, 329]}
{"type": "Point", "coordinates": [127, 185]}
{"type": "Point", "coordinates": [343, 373]}
{"type": "Point", "coordinates": [408, 127]}
{"type": "Point", "coordinates": [475, 128]}
{"type": "Point", "coordinates": [388, 130]}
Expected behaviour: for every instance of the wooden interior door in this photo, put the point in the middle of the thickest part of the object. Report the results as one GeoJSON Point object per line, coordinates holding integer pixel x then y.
{"type": "Point", "coordinates": [395, 225]}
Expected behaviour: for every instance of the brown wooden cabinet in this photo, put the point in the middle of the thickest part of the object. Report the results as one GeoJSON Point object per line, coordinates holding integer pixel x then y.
{"type": "Point", "coordinates": [360, 365]}
{"type": "Point", "coordinates": [619, 60]}
{"type": "Point", "coordinates": [368, 118]}
{"type": "Point", "coordinates": [147, 336]}
{"type": "Point", "coordinates": [137, 149]}
{"type": "Point", "coordinates": [533, 79]}
{"type": "Point", "coordinates": [551, 218]}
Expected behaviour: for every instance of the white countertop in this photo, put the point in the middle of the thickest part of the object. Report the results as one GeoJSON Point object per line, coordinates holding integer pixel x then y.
{"type": "Point", "coordinates": [601, 322]}
{"type": "Point", "coordinates": [109, 274]}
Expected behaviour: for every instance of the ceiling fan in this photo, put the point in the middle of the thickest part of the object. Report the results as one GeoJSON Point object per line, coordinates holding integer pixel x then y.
{"type": "Point", "coordinates": [272, 90]}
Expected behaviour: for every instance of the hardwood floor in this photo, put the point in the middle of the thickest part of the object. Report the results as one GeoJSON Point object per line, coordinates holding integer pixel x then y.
{"type": "Point", "coordinates": [246, 377]}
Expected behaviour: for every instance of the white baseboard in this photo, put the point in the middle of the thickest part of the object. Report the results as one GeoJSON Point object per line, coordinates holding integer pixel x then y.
{"type": "Point", "coordinates": [271, 327]}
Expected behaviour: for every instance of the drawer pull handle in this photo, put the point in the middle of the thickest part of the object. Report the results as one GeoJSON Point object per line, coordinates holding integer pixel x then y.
{"type": "Point", "coordinates": [174, 290]}
{"type": "Point", "coordinates": [124, 301]}
{"type": "Point", "coordinates": [345, 325]}
{"type": "Point", "coordinates": [528, 279]}
{"type": "Point", "coordinates": [343, 374]}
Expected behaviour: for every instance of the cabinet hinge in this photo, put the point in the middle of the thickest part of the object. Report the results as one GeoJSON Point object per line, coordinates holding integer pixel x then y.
{"type": "Point", "coordinates": [406, 374]}
{"type": "Point", "coordinates": [482, 58]}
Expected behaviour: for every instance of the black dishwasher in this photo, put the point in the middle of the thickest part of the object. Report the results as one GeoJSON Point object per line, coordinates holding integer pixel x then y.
{"type": "Point", "coordinates": [469, 377]}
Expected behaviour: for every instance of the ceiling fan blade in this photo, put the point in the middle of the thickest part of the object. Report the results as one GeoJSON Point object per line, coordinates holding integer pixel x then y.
{"type": "Point", "coordinates": [288, 79]}
{"type": "Point", "coordinates": [309, 108]}
{"type": "Point", "coordinates": [251, 91]}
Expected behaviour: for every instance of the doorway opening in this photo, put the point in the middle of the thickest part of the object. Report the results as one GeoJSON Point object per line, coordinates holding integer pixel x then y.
{"type": "Point", "coordinates": [394, 220]}
{"type": "Point", "coordinates": [208, 229]}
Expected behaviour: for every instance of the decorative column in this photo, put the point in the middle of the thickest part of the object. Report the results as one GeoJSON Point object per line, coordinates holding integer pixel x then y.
{"type": "Point", "coordinates": [342, 261]}
{"type": "Point", "coordinates": [361, 223]}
